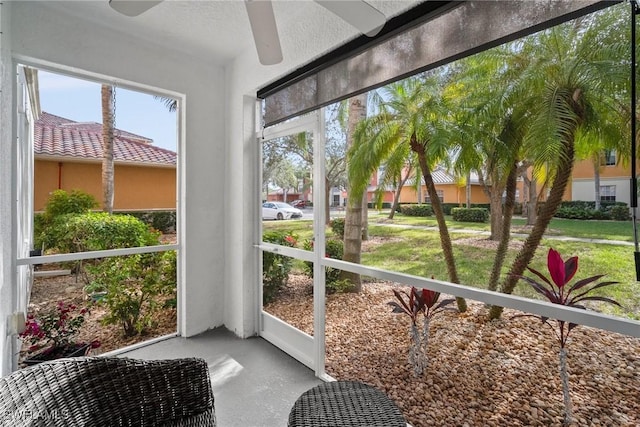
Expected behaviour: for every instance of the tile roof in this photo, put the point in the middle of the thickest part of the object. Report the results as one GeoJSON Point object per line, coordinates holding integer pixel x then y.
{"type": "Point", "coordinates": [57, 136]}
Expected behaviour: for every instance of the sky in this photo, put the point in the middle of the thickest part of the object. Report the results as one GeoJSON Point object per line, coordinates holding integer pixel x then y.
{"type": "Point", "coordinates": [136, 112]}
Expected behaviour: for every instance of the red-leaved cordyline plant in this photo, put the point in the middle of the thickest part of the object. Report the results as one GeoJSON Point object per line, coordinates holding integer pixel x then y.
{"type": "Point", "coordinates": [419, 301]}
{"type": "Point", "coordinates": [557, 290]}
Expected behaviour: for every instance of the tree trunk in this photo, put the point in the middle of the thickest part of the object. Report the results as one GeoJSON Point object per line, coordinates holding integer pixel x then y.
{"type": "Point", "coordinates": [468, 191]}
{"type": "Point", "coordinates": [503, 246]}
{"type": "Point", "coordinates": [532, 214]}
{"type": "Point", "coordinates": [596, 181]}
{"type": "Point", "coordinates": [365, 216]}
{"type": "Point", "coordinates": [353, 214]}
{"type": "Point", "coordinates": [396, 196]}
{"type": "Point", "coordinates": [107, 148]}
{"type": "Point", "coordinates": [566, 394]}
{"type": "Point", "coordinates": [436, 205]}
{"type": "Point", "coordinates": [524, 256]}
{"type": "Point", "coordinates": [327, 206]}
{"type": "Point", "coordinates": [496, 213]}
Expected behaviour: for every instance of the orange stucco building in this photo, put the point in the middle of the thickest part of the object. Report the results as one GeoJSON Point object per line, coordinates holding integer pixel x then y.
{"type": "Point", "coordinates": [68, 156]}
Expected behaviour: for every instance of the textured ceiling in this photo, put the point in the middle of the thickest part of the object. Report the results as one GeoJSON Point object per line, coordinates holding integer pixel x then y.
{"type": "Point", "coordinates": [218, 30]}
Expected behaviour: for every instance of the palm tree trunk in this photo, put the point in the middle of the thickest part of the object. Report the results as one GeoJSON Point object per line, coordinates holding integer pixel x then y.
{"type": "Point", "coordinates": [398, 192]}
{"type": "Point", "coordinates": [107, 148]}
{"type": "Point", "coordinates": [524, 256]}
{"type": "Point", "coordinates": [365, 216]}
{"type": "Point", "coordinates": [468, 190]}
{"type": "Point", "coordinates": [596, 181]}
{"type": "Point", "coordinates": [503, 246]}
{"type": "Point", "coordinates": [445, 239]}
{"type": "Point", "coordinates": [532, 213]}
{"type": "Point", "coordinates": [496, 212]}
{"type": "Point", "coordinates": [353, 215]}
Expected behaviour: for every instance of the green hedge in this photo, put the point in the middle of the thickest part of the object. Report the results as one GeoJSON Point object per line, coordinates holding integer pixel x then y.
{"type": "Point", "coordinates": [470, 215]}
{"type": "Point", "coordinates": [163, 221]}
{"type": "Point", "coordinates": [585, 210]}
{"type": "Point", "coordinates": [97, 231]}
{"type": "Point", "coordinates": [416, 210]}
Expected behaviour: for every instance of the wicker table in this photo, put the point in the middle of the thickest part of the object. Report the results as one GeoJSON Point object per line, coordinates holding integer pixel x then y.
{"type": "Point", "coordinates": [345, 403]}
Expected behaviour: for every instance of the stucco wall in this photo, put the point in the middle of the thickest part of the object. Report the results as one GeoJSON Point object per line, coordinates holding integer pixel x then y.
{"type": "Point", "coordinates": [49, 37]}
{"type": "Point", "coordinates": [135, 187]}
{"type": "Point", "coordinates": [452, 194]}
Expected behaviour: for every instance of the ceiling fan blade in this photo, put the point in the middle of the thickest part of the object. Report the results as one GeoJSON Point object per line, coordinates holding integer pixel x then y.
{"type": "Point", "coordinates": [358, 13]}
{"type": "Point", "coordinates": [265, 31]}
{"type": "Point", "coordinates": [132, 7]}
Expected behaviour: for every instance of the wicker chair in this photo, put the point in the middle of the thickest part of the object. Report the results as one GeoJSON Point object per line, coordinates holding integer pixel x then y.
{"type": "Point", "coordinates": [345, 403]}
{"type": "Point", "coordinates": [109, 391]}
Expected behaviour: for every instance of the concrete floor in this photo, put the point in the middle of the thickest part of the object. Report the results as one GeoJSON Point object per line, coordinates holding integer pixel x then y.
{"type": "Point", "coordinates": [254, 383]}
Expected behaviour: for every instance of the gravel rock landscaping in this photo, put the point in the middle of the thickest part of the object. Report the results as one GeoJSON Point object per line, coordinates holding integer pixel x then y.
{"type": "Point", "coordinates": [481, 373]}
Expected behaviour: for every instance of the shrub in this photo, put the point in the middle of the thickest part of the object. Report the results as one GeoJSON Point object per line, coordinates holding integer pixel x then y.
{"type": "Point", "coordinates": [164, 221]}
{"type": "Point", "coordinates": [585, 210]}
{"type": "Point", "coordinates": [62, 203]}
{"type": "Point", "coordinates": [619, 212]}
{"type": "Point", "coordinates": [275, 267]}
{"type": "Point", "coordinates": [133, 285]}
{"type": "Point", "coordinates": [59, 204]}
{"type": "Point", "coordinates": [470, 215]}
{"type": "Point", "coordinates": [98, 231]}
{"type": "Point", "coordinates": [169, 278]}
{"type": "Point", "coordinates": [334, 250]}
{"type": "Point", "coordinates": [416, 210]}
{"type": "Point", "coordinates": [337, 226]}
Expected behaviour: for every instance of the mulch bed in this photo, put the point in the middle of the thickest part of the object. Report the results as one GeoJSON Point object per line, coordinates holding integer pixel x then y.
{"type": "Point", "coordinates": [481, 373]}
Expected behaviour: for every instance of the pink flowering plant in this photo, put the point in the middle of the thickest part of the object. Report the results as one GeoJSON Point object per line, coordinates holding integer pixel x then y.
{"type": "Point", "coordinates": [557, 290]}
{"type": "Point", "coordinates": [55, 330]}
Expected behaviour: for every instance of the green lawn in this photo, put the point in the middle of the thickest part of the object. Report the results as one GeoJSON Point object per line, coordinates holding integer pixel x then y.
{"type": "Point", "coordinates": [417, 251]}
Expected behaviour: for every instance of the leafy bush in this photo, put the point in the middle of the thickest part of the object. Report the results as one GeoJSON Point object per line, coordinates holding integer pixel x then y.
{"type": "Point", "coordinates": [59, 204]}
{"type": "Point", "coordinates": [334, 250]}
{"type": "Point", "coordinates": [470, 215]}
{"type": "Point", "coordinates": [96, 231]}
{"type": "Point", "coordinates": [620, 213]}
{"type": "Point", "coordinates": [164, 221]}
{"type": "Point", "coordinates": [133, 285]}
{"type": "Point", "coordinates": [585, 210]}
{"type": "Point", "coordinates": [275, 267]}
{"type": "Point", "coordinates": [169, 278]}
{"type": "Point", "coordinates": [337, 226]}
{"type": "Point", "coordinates": [416, 210]}
{"type": "Point", "coordinates": [62, 203]}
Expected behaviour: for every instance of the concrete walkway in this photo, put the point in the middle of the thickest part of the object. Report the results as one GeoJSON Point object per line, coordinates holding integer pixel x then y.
{"type": "Point", "coordinates": [521, 235]}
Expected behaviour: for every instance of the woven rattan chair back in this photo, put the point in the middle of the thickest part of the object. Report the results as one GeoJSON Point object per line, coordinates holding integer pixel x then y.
{"type": "Point", "coordinates": [109, 391]}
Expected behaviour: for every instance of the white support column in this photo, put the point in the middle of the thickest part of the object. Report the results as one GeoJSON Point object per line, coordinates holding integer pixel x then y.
{"type": "Point", "coordinates": [319, 218]}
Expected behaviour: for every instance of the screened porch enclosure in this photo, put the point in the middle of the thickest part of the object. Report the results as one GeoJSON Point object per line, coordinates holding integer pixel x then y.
{"type": "Point", "coordinates": [222, 132]}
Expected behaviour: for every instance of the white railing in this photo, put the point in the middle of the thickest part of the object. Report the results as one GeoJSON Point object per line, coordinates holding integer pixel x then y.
{"type": "Point", "coordinates": [526, 305]}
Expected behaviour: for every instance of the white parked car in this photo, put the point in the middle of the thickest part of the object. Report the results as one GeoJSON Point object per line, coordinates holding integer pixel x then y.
{"type": "Point", "coordinates": [279, 210]}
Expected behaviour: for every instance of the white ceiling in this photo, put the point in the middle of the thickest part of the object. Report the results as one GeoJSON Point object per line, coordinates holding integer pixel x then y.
{"type": "Point", "coordinates": [218, 30]}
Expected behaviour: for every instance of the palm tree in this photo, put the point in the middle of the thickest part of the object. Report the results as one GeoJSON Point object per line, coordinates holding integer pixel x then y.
{"type": "Point", "coordinates": [107, 148]}
{"type": "Point", "coordinates": [567, 76]}
{"type": "Point", "coordinates": [411, 112]}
